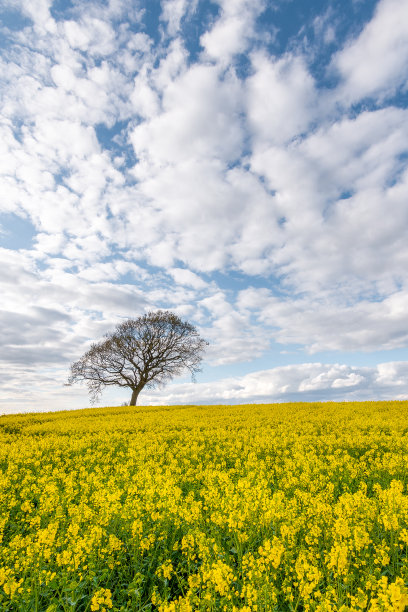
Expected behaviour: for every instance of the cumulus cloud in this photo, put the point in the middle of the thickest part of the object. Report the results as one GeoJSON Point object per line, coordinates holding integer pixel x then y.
{"type": "Point", "coordinates": [300, 382]}
{"type": "Point", "coordinates": [233, 30]}
{"type": "Point", "coordinates": [368, 325]}
{"type": "Point", "coordinates": [351, 180]}
{"type": "Point", "coordinates": [173, 12]}
{"type": "Point", "coordinates": [38, 11]}
{"type": "Point", "coordinates": [196, 165]}
{"type": "Point", "coordinates": [375, 64]}
{"type": "Point", "coordinates": [281, 99]}
{"type": "Point", "coordinates": [307, 381]}
{"type": "Point", "coordinates": [196, 120]}
{"type": "Point", "coordinates": [183, 276]}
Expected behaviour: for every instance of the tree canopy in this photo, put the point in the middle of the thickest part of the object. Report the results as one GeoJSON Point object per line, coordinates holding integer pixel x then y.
{"type": "Point", "coordinates": [144, 352]}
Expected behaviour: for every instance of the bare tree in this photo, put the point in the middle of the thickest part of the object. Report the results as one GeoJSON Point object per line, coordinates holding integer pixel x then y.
{"type": "Point", "coordinates": [143, 352]}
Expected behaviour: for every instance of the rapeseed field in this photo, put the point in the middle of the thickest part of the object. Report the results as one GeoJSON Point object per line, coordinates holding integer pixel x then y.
{"type": "Point", "coordinates": [260, 507]}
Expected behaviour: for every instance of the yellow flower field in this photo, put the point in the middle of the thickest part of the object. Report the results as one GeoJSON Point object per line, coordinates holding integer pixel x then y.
{"type": "Point", "coordinates": [262, 507]}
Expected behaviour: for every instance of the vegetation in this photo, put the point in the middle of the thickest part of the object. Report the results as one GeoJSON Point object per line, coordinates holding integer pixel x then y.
{"type": "Point", "coordinates": [143, 352]}
{"type": "Point", "coordinates": [263, 507]}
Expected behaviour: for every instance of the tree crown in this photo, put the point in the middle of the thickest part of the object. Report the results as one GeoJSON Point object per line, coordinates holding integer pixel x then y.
{"type": "Point", "coordinates": [143, 352]}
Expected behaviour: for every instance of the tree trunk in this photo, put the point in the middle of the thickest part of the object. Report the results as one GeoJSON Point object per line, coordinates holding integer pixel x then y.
{"type": "Point", "coordinates": [135, 393]}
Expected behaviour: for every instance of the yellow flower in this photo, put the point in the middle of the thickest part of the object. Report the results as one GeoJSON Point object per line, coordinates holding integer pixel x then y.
{"type": "Point", "coordinates": [101, 600]}
{"type": "Point", "coordinates": [249, 507]}
{"type": "Point", "coordinates": [165, 570]}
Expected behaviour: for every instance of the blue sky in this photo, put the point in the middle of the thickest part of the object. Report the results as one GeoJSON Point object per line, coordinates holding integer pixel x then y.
{"type": "Point", "coordinates": [243, 163]}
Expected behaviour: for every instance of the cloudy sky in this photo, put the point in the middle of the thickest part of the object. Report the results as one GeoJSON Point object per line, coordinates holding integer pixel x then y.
{"type": "Point", "coordinates": [243, 163]}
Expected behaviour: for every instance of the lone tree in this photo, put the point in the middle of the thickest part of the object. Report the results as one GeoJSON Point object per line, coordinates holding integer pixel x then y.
{"type": "Point", "coordinates": [143, 352]}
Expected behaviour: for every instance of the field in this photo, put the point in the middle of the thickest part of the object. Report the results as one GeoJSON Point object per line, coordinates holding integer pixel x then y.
{"type": "Point", "coordinates": [260, 507]}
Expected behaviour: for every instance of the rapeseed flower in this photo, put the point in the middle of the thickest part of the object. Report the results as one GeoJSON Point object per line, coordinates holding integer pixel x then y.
{"type": "Point", "coordinates": [101, 600]}
{"type": "Point", "coordinates": [224, 508]}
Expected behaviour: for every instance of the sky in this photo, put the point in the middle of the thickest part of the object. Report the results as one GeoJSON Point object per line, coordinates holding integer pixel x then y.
{"type": "Point", "coordinates": [242, 163]}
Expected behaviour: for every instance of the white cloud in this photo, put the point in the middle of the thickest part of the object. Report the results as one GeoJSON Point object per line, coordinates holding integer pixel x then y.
{"type": "Point", "coordinates": [392, 375]}
{"type": "Point", "coordinates": [334, 377]}
{"type": "Point", "coordinates": [307, 381]}
{"type": "Point", "coordinates": [182, 276]}
{"type": "Point", "coordinates": [77, 35]}
{"type": "Point", "coordinates": [265, 180]}
{"type": "Point", "coordinates": [145, 100]}
{"type": "Point", "coordinates": [375, 64]}
{"type": "Point", "coordinates": [228, 37]}
{"type": "Point", "coordinates": [341, 192]}
{"type": "Point", "coordinates": [359, 153]}
{"type": "Point", "coordinates": [73, 300]}
{"type": "Point", "coordinates": [95, 36]}
{"type": "Point", "coordinates": [233, 337]}
{"type": "Point", "coordinates": [233, 31]}
{"type": "Point", "coordinates": [173, 12]}
{"type": "Point", "coordinates": [196, 122]}
{"type": "Point", "coordinates": [326, 324]}
{"type": "Point", "coordinates": [281, 99]}
{"type": "Point", "coordinates": [37, 10]}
